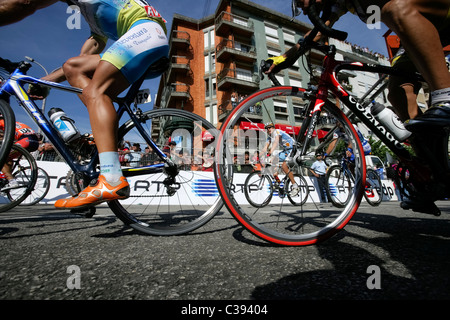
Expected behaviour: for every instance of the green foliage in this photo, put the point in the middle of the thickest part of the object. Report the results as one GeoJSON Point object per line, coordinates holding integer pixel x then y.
{"type": "Point", "coordinates": [379, 149]}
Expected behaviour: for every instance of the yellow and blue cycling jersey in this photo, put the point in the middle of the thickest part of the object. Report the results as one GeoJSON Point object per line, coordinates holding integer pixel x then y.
{"type": "Point", "coordinates": [113, 18]}
{"type": "Point", "coordinates": [137, 28]}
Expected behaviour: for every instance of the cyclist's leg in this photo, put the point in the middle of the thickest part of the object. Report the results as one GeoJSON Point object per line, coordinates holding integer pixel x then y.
{"type": "Point", "coordinates": [416, 22]}
{"type": "Point", "coordinates": [29, 143]}
{"type": "Point", "coordinates": [15, 10]}
{"type": "Point", "coordinates": [282, 156]}
{"type": "Point", "coordinates": [106, 84]}
{"type": "Point", "coordinates": [403, 91]}
{"type": "Point", "coordinates": [80, 70]}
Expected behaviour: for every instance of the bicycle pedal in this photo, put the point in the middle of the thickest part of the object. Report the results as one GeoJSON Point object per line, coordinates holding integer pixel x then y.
{"type": "Point", "coordinates": [85, 212]}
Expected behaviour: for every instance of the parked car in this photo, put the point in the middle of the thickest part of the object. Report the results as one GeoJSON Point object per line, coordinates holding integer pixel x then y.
{"type": "Point", "coordinates": [374, 162]}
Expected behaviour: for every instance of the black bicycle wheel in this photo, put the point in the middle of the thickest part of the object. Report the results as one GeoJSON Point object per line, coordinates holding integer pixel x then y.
{"type": "Point", "coordinates": [258, 189]}
{"type": "Point", "coordinates": [160, 205]}
{"type": "Point", "coordinates": [300, 198]}
{"type": "Point", "coordinates": [373, 191]}
{"type": "Point", "coordinates": [7, 136]}
{"type": "Point", "coordinates": [40, 189]}
{"type": "Point", "coordinates": [339, 186]}
{"type": "Point", "coordinates": [282, 222]}
{"type": "Point", "coordinates": [12, 194]}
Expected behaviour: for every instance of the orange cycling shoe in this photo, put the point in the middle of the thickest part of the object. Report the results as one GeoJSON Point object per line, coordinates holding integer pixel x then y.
{"type": "Point", "coordinates": [101, 191]}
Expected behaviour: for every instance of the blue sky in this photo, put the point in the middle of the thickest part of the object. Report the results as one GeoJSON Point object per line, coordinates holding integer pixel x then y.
{"type": "Point", "coordinates": [45, 37]}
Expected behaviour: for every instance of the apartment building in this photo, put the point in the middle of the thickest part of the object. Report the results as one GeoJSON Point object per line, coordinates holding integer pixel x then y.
{"type": "Point", "coordinates": [215, 61]}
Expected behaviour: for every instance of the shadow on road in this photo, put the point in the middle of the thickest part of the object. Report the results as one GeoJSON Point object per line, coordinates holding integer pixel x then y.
{"type": "Point", "coordinates": [412, 254]}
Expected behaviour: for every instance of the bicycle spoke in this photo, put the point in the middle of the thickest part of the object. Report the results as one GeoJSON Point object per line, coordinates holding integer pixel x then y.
{"type": "Point", "coordinates": [291, 220]}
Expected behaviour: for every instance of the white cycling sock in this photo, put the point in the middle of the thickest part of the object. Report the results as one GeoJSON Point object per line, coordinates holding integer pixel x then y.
{"type": "Point", "coordinates": [441, 95]}
{"type": "Point", "coordinates": [110, 166]}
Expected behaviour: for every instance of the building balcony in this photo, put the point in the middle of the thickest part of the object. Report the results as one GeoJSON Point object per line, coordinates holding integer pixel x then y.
{"type": "Point", "coordinates": [231, 78]}
{"type": "Point", "coordinates": [227, 23]}
{"type": "Point", "coordinates": [178, 65]}
{"type": "Point", "coordinates": [254, 112]}
{"type": "Point", "coordinates": [180, 39]}
{"type": "Point", "coordinates": [175, 92]}
{"type": "Point", "coordinates": [228, 50]}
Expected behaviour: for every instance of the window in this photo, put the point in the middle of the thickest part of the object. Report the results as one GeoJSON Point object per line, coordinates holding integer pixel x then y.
{"type": "Point", "coordinates": [280, 79]}
{"type": "Point", "coordinates": [208, 38]}
{"type": "Point", "coordinates": [289, 36]}
{"type": "Point", "coordinates": [207, 64]}
{"type": "Point", "coordinates": [243, 74]}
{"type": "Point", "coordinates": [214, 114]}
{"type": "Point", "coordinates": [207, 88]}
{"type": "Point", "coordinates": [211, 37]}
{"type": "Point", "coordinates": [280, 106]}
{"type": "Point", "coordinates": [210, 63]}
{"type": "Point", "coordinates": [214, 87]}
{"type": "Point", "coordinates": [295, 82]}
{"type": "Point", "coordinates": [273, 53]}
{"type": "Point", "coordinates": [213, 61]}
{"type": "Point", "coordinates": [271, 33]}
{"type": "Point", "coordinates": [271, 30]}
{"type": "Point", "coordinates": [211, 113]}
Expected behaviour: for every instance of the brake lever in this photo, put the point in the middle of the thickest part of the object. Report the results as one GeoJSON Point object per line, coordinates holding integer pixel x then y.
{"type": "Point", "coordinates": [262, 66]}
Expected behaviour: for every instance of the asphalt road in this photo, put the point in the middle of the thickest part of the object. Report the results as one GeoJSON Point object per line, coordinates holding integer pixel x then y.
{"type": "Point", "coordinates": [384, 253]}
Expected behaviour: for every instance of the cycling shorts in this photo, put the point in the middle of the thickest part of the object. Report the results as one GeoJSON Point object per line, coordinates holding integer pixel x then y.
{"type": "Point", "coordinates": [142, 45]}
{"type": "Point", "coordinates": [282, 155]}
{"type": "Point", "coordinates": [29, 142]}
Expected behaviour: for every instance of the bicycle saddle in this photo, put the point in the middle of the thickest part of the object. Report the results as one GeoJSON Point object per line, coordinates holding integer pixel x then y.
{"type": "Point", "coordinates": [157, 68]}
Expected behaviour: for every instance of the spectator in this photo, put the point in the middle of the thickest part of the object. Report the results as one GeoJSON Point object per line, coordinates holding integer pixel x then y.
{"type": "Point", "coordinates": [319, 170]}
{"type": "Point", "coordinates": [233, 100]}
{"type": "Point", "coordinates": [208, 162]}
{"type": "Point", "coordinates": [169, 149]}
{"type": "Point", "coordinates": [123, 151]}
{"type": "Point", "coordinates": [48, 152]}
{"type": "Point", "coordinates": [149, 157]}
{"type": "Point", "coordinates": [134, 157]}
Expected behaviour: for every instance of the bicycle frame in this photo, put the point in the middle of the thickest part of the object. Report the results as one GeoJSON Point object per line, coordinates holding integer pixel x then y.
{"type": "Point", "coordinates": [14, 86]}
{"type": "Point", "coordinates": [328, 82]}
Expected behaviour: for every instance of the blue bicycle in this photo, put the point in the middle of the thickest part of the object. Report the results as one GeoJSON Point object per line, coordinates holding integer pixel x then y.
{"type": "Point", "coordinates": [167, 196]}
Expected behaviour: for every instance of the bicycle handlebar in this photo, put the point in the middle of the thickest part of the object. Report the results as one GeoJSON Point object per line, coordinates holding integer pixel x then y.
{"type": "Point", "coordinates": [307, 42]}
{"type": "Point", "coordinates": [319, 22]}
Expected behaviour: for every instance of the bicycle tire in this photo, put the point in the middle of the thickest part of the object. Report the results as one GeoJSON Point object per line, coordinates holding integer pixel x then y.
{"type": "Point", "coordinates": [13, 196]}
{"type": "Point", "coordinates": [373, 191]}
{"type": "Point", "coordinates": [8, 131]}
{"type": "Point", "coordinates": [40, 189]}
{"type": "Point", "coordinates": [302, 195]}
{"type": "Point", "coordinates": [339, 186]}
{"type": "Point", "coordinates": [164, 214]}
{"type": "Point", "coordinates": [260, 183]}
{"type": "Point", "coordinates": [282, 223]}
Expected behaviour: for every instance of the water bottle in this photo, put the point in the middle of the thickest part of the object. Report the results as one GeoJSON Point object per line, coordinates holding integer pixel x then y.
{"type": "Point", "coordinates": [63, 124]}
{"type": "Point", "coordinates": [390, 120]}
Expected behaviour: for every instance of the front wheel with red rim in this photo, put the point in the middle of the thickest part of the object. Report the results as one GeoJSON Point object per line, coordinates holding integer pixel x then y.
{"type": "Point", "coordinates": [280, 221]}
